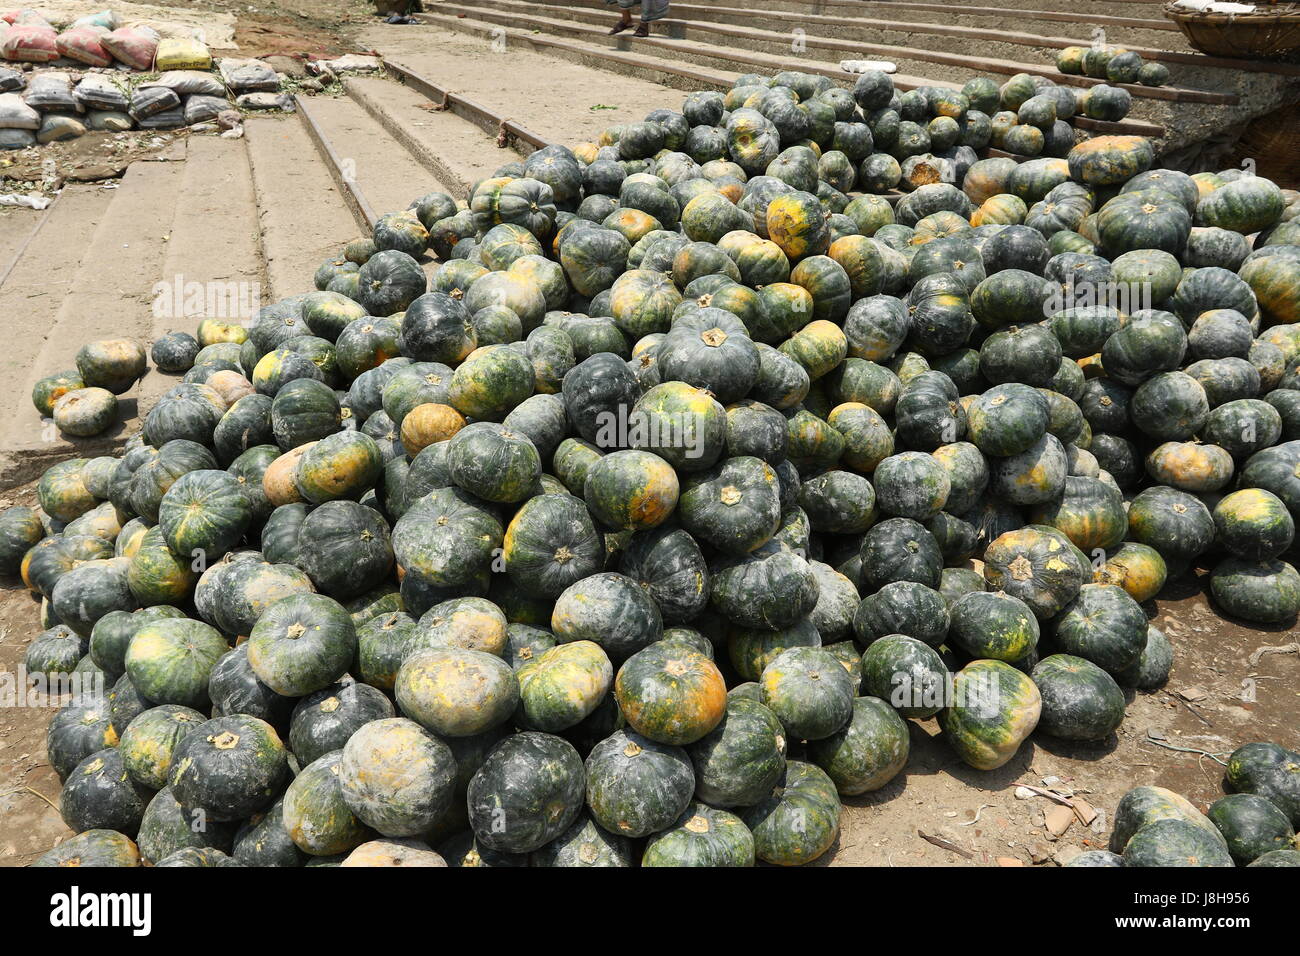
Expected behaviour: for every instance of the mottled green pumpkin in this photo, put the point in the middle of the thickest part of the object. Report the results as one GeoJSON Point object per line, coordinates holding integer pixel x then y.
{"type": "Point", "coordinates": [561, 686]}
{"type": "Point", "coordinates": [315, 813]}
{"type": "Point", "coordinates": [994, 707]}
{"type": "Point", "coordinates": [302, 643]}
{"type": "Point", "coordinates": [701, 836]}
{"type": "Point", "coordinates": [169, 661]}
{"type": "Point", "coordinates": [1253, 524]}
{"type": "Point", "coordinates": [493, 462]}
{"type": "Point", "coordinates": [868, 752]}
{"type": "Point", "coordinates": [151, 740]}
{"type": "Point", "coordinates": [907, 674]}
{"type": "Point", "coordinates": [799, 820]}
{"type": "Point", "coordinates": [1263, 592]}
{"type": "Point", "coordinates": [528, 791]}
{"type": "Point", "coordinates": [456, 692]}
{"type": "Point", "coordinates": [231, 767]}
{"type": "Point", "coordinates": [671, 693]}
{"type": "Point", "coordinates": [636, 786]}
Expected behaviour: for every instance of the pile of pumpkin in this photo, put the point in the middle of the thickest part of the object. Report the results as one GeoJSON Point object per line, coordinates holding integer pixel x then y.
{"type": "Point", "coordinates": [640, 529]}
{"type": "Point", "coordinates": [1254, 825]}
{"type": "Point", "coordinates": [1114, 64]}
{"type": "Point", "coordinates": [82, 401]}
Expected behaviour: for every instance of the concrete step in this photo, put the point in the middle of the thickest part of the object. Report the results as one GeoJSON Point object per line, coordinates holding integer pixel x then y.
{"type": "Point", "coordinates": [590, 24]}
{"type": "Point", "coordinates": [457, 153]}
{"type": "Point", "coordinates": [109, 297]}
{"type": "Point", "coordinates": [386, 176]}
{"type": "Point", "coordinates": [558, 100]}
{"type": "Point", "coordinates": [296, 237]}
{"type": "Point", "coordinates": [216, 198]}
{"type": "Point", "coordinates": [692, 75]}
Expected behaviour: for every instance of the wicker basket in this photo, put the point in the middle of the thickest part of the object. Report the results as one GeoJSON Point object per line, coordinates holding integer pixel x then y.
{"type": "Point", "coordinates": [1270, 31]}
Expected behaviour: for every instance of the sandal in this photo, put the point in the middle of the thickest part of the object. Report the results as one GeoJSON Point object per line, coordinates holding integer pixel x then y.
{"type": "Point", "coordinates": [619, 28]}
{"type": "Point", "coordinates": [643, 30]}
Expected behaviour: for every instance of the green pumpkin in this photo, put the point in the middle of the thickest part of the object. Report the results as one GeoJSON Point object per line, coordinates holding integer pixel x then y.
{"type": "Point", "coordinates": [808, 691]}
{"type": "Point", "coordinates": [870, 751]}
{"type": "Point", "coordinates": [446, 537]}
{"type": "Point", "coordinates": [741, 759]}
{"type": "Point", "coordinates": [1103, 625]}
{"type": "Point", "coordinates": [900, 549]}
{"type": "Point", "coordinates": [671, 693]}
{"type": "Point", "coordinates": [906, 673]}
{"type": "Point", "coordinates": [734, 506]}
{"type": "Point", "coordinates": [771, 588]}
{"type": "Point", "coordinates": [1090, 513]}
{"type": "Point", "coordinates": [799, 820]}
{"type": "Point", "coordinates": [562, 686]}
{"type": "Point", "coordinates": [669, 565]}
{"type": "Point", "coordinates": [1269, 771]}
{"type": "Point", "coordinates": [701, 836]}
{"type": "Point", "coordinates": [204, 512]}
{"type": "Point", "coordinates": [585, 844]}
{"type": "Point", "coordinates": [325, 720]}
{"type": "Point", "coordinates": [315, 812]}
{"type": "Point", "coordinates": [750, 650]}
{"type": "Point", "coordinates": [1175, 842]}
{"type": "Point", "coordinates": [528, 791]}
{"type": "Point", "coordinates": [99, 848]}
{"type": "Point", "coordinates": [348, 551]}
{"type": "Point", "coordinates": [231, 767]}
{"type": "Point", "coordinates": [1253, 524]}
{"type": "Point", "coordinates": [1252, 826]}
{"type": "Point", "coordinates": [1174, 523]}
{"type": "Point", "coordinates": [994, 708]}
{"type": "Point", "coordinates": [456, 692]}
{"type": "Point", "coordinates": [631, 490]}
{"type": "Point", "coordinates": [302, 643]}
{"type": "Point", "coordinates": [994, 625]}
{"type": "Point", "coordinates": [1264, 592]}
{"type": "Point", "coordinates": [100, 795]}
{"type": "Point", "coordinates": [1080, 700]}
{"type": "Point", "coordinates": [635, 786]}
{"type": "Point", "coordinates": [169, 661]}
{"type": "Point", "coordinates": [493, 462]}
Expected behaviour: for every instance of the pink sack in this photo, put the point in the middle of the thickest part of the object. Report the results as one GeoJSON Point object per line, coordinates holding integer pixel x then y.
{"type": "Point", "coordinates": [85, 45]}
{"type": "Point", "coordinates": [134, 46]}
{"type": "Point", "coordinates": [32, 44]}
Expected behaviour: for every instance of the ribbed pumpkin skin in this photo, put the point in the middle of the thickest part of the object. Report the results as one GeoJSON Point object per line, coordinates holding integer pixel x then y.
{"type": "Point", "coordinates": [563, 685]}
{"type": "Point", "coordinates": [701, 836]}
{"type": "Point", "coordinates": [302, 643]}
{"type": "Point", "coordinates": [324, 720]}
{"type": "Point", "coordinates": [670, 693]}
{"type": "Point", "coordinates": [751, 650]}
{"type": "Point", "coordinates": [1269, 771]}
{"type": "Point", "coordinates": [906, 673]}
{"type": "Point", "coordinates": [585, 844]}
{"type": "Point", "coordinates": [1036, 568]}
{"type": "Point", "coordinates": [668, 563]}
{"type": "Point", "coordinates": [348, 550]}
{"type": "Point", "coordinates": [527, 792]}
{"type": "Point", "coordinates": [740, 760]}
{"type": "Point", "coordinates": [152, 739]}
{"type": "Point", "coordinates": [1253, 524]}
{"type": "Point", "coordinates": [994, 625]}
{"type": "Point", "coordinates": [734, 506]}
{"type": "Point", "coordinates": [1264, 592]}
{"type": "Point", "coordinates": [1091, 513]}
{"type": "Point", "coordinates": [771, 588]}
{"type": "Point", "coordinates": [169, 661]}
{"type": "Point", "coordinates": [1007, 419]}
{"type": "Point", "coordinates": [204, 511]}
{"type": "Point", "coordinates": [799, 820]}
{"type": "Point", "coordinates": [316, 816]}
{"type": "Point", "coordinates": [1080, 700]}
{"type": "Point", "coordinates": [100, 795]}
{"type": "Point", "coordinates": [631, 490]}
{"type": "Point", "coordinates": [809, 691]}
{"type": "Point", "coordinates": [1137, 568]}
{"type": "Point", "coordinates": [93, 848]}
{"type": "Point", "coordinates": [493, 462]}
{"type": "Point", "coordinates": [610, 609]}
{"type": "Point", "coordinates": [446, 537]}
{"type": "Point", "coordinates": [1174, 842]}
{"type": "Point", "coordinates": [1176, 524]}
{"type": "Point", "coordinates": [868, 752]}
{"type": "Point", "coordinates": [230, 766]}
{"type": "Point", "coordinates": [994, 708]}
{"type": "Point", "coordinates": [456, 692]}
{"type": "Point", "coordinates": [396, 777]}
{"type": "Point", "coordinates": [1251, 825]}
{"type": "Point", "coordinates": [635, 786]}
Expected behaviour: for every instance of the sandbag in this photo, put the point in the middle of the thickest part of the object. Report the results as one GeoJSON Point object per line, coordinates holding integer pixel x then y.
{"type": "Point", "coordinates": [113, 121]}
{"type": "Point", "coordinates": [201, 108]}
{"type": "Point", "coordinates": [265, 101]}
{"type": "Point", "coordinates": [248, 76]}
{"type": "Point", "coordinates": [177, 53]}
{"type": "Point", "coordinates": [85, 45]}
{"type": "Point", "coordinates": [15, 114]}
{"type": "Point", "coordinates": [146, 101]}
{"type": "Point", "coordinates": [56, 127]}
{"type": "Point", "coordinates": [100, 92]}
{"type": "Point", "coordinates": [11, 80]}
{"type": "Point", "coordinates": [16, 138]}
{"type": "Point", "coordinates": [134, 46]}
{"type": "Point", "coordinates": [189, 83]}
{"type": "Point", "coordinates": [105, 19]}
{"type": "Point", "coordinates": [30, 18]}
{"type": "Point", "coordinates": [173, 118]}
{"type": "Point", "coordinates": [51, 91]}
{"type": "Point", "coordinates": [31, 44]}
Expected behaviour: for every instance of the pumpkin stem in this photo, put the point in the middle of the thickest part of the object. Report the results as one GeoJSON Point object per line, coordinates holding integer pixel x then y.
{"type": "Point", "coordinates": [1021, 569]}
{"type": "Point", "coordinates": [730, 495]}
{"type": "Point", "coordinates": [632, 749]}
{"type": "Point", "coordinates": [697, 824]}
{"type": "Point", "coordinates": [714, 337]}
{"type": "Point", "coordinates": [563, 555]}
{"type": "Point", "coordinates": [226, 740]}
{"type": "Point", "coordinates": [295, 631]}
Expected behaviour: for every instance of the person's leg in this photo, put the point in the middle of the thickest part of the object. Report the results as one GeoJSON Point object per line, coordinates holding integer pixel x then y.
{"type": "Point", "coordinates": [651, 10]}
{"type": "Point", "coordinates": [625, 12]}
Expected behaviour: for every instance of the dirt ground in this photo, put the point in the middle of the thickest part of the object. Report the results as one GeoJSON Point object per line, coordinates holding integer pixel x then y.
{"type": "Point", "coordinates": [977, 812]}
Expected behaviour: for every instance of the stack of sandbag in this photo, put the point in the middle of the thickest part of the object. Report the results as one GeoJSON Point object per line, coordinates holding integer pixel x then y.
{"type": "Point", "coordinates": [51, 94]}
{"type": "Point", "coordinates": [18, 122]}
{"type": "Point", "coordinates": [105, 99]}
{"type": "Point", "coordinates": [202, 96]}
{"type": "Point", "coordinates": [27, 37]}
{"type": "Point", "coordinates": [133, 46]}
